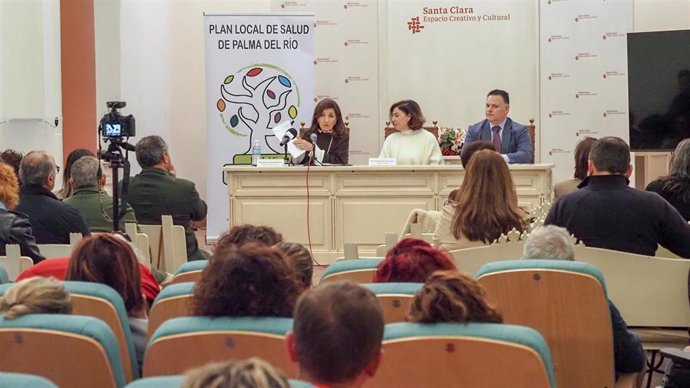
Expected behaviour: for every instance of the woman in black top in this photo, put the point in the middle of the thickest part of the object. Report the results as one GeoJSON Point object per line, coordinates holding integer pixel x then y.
{"type": "Point", "coordinates": [675, 187]}
{"type": "Point", "coordinates": [331, 135]}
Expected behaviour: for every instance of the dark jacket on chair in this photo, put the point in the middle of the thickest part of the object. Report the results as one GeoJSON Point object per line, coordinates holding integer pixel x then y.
{"type": "Point", "coordinates": [15, 229]}
{"type": "Point", "coordinates": [154, 193]}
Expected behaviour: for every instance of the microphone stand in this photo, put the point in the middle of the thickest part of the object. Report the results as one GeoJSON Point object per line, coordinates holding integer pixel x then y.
{"type": "Point", "coordinates": [287, 160]}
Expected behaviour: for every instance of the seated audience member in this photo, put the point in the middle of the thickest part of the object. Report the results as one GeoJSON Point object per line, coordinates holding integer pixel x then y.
{"type": "Point", "coordinates": [88, 196]}
{"type": "Point", "coordinates": [554, 243]}
{"type": "Point", "coordinates": [336, 336]}
{"type": "Point", "coordinates": [411, 144]}
{"type": "Point", "coordinates": [606, 213]}
{"type": "Point", "coordinates": [332, 139]}
{"type": "Point", "coordinates": [483, 208]}
{"type": "Point", "coordinates": [251, 280]}
{"type": "Point", "coordinates": [36, 295]}
{"type": "Point", "coordinates": [14, 227]}
{"type": "Point", "coordinates": [242, 234]}
{"type": "Point", "coordinates": [13, 159]}
{"type": "Point", "coordinates": [51, 220]}
{"type": "Point", "coordinates": [67, 189]}
{"type": "Point", "coordinates": [298, 258]}
{"type": "Point", "coordinates": [469, 149]}
{"type": "Point", "coordinates": [511, 139]}
{"type": "Point", "coordinates": [109, 260]}
{"type": "Point", "coordinates": [250, 373]}
{"type": "Point", "coordinates": [452, 296]}
{"type": "Point", "coordinates": [156, 192]}
{"type": "Point", "coordinates": [581, 157]}
{"type": "Point", "coordinates": [411, 261]}
{"type": "Point", "coordinates": [675, 187]}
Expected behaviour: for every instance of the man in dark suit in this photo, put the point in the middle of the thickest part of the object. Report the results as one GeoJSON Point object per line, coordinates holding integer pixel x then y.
{"type": "Point", "coordinates": [51, 220]}
{"type": "Point", "coordinates": [156, 192]}
{"type": "Point", "coordinates": [510, 138]}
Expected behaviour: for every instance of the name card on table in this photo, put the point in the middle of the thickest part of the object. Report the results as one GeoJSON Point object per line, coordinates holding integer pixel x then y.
{"type": "Point", "coordinates": [270, 163]}
{"type": "Point", "coordinates": [382, 162]}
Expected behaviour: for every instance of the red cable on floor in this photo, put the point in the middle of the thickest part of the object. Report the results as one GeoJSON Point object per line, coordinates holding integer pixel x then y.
{"type": "Point", "coordinates": [308, 224]}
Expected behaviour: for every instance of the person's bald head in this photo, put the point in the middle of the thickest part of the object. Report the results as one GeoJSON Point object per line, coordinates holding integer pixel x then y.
{"type": "Point", "coordinates": [38, 168]}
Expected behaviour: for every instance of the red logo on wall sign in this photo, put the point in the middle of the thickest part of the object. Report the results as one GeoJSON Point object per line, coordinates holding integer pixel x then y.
{"type": "Point", "coordinates": [414, 25]}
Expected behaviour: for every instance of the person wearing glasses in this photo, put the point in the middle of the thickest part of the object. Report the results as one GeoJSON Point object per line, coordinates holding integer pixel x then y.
{"type": "Point", "coordinates": [51, 220]}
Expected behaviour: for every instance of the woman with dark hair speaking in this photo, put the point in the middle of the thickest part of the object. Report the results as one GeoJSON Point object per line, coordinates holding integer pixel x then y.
{"type": "Point", "coordinates": [411, 144]}
{"type": "Point", "coordinates": [332, 139]}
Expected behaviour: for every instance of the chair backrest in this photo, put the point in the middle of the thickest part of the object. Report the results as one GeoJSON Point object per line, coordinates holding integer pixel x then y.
{"type": "Point", "coordinates": [141, 241]}
{"type": "Point", "coordinates": [566, 302]}
{"type": "Point", "coordinates": [190, 272]}
{"type": "Point", "coordinates": [355, 270]}
{"type": "Point", "coordinates": [172, 302]}
{"type": "Point", "coordinates": [157, 382]}
{"type": "Point", "coordinates": [100, 301]}
{"type": "Point", "coordinates": [183, 343]}
{"type": "Point", "coordinates": [13, 262]}
{"type": "Point", "coordinates": [22, 380]}
{"type": "Point", "coordinates": [4, 278]}
{"type": "Point", "coordinates": [50, 251]}
{"type": "Point", "coordinates": [532, 131]}
{"type": "Point", "coordinates": [463, 355]}
{"type": "Point", "coordinates": [395, 299]}
{"type": "Point", "coordinates": [636, 282]}
{"type": "Point", "coordinates": [71, 351]}
{"type": "Point", "coordinates": [471, 259]}
{"type": "Point", "coordinates": [167, 244]}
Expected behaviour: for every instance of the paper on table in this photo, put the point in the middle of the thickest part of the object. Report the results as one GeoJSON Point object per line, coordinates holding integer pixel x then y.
{"type": "Point", "coordinates": [280, 130]}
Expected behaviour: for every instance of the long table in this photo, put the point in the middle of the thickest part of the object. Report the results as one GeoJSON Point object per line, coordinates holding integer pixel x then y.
{"type": "Point", "coordinates": [354, 204]}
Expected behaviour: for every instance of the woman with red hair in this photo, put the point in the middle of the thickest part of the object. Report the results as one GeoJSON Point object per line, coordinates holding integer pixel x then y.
{"type": "Point", "coordinates": [412, 261]}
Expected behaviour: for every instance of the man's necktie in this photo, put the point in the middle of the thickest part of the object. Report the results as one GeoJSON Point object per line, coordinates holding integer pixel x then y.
{"type": "Point", "coordinates": [497, 138]}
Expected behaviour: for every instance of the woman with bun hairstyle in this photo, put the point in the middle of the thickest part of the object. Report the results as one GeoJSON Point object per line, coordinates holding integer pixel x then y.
{"type": "Point", "coordinates": [37, 295]}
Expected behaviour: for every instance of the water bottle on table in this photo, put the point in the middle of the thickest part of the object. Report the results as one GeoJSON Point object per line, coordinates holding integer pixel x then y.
{"type": "Point", "coordinates": [256, 153]}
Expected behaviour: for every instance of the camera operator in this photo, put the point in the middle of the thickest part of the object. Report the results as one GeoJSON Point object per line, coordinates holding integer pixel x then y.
{"type": "Point", "coordinates": [156, 191]}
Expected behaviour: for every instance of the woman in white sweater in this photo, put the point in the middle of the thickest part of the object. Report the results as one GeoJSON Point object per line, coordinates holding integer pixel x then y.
{"type": "Point", "coordinates": [411, 144]}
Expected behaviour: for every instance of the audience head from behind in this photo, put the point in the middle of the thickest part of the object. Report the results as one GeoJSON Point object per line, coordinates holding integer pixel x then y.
{"type": "Point", "coordinates": [582, 157]}
{"type": "Point", "coordinates": [250, 373]}
{"type": "Point", "coordinates": [337, 334]}
{"type": "Point", "coordinates": [248, 280]}
{"type": "Point", "coordinates": [9, 187]}
{"type": "Point", "coordinates": [469, 149]}
{"type": "Point", "coordinates": [452, 296]}
{"type": "Point", "coordinates": [327, 118]}
{"type": "Point", "coordinates": [298, 258]}
{"type": "Point", "coordinates": [680, 161]}
{"type": "Point", "coordinates": [152, 151]}
{"type": "Point", "coordinates": [12, 158]}
{"type": "Point", "coordinates": [609, 156]}
{"type": "Point", "coordinates": [549, 242]}
{"type": "Point", "coordinates": [412, 261]}
{"type": "Point", "coordinates": [406, 115]}
{"type": "Point", "coordinates": [84, 173]}
{"type": "Point", "coordinates": [36, 295]}
{"type": "Point", "coordinates": [110, 260]}
{"type": "Point", "coordinates": [242, 234]}
{"type": "Point", "coordinates": [38, 168]}
{"type": "Point", "coordinates": [486, 203]}
{"type": "Point", "coordinates": [67, 189]}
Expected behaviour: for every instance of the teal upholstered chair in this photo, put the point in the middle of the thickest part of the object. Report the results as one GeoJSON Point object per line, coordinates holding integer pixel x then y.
{"type": "Point", "coordinates": [190, 271]}
{"type": "Point", "coordinates": [566, 302]}
{"type": "Point", "coordinates": [172, 302]}
{"type": "Point", "coordinates": [395, 299]}
{"type": "Point", "coordinates": [21, 380]}
{"type": "Point", "coordinates": [157, 382]}
{"type": "Point", "coordinates": [4, 277]}
{"type": "Point", "coordinates": [446, 355]}
{"type": "Point", "coordinates": [354, 270]}
{"type": "Point", "coordinates": [183, 343]}
{"type": "Point", "coordinates": [100, 301]}
{"type": "Point", "coordinates": [71, 351]}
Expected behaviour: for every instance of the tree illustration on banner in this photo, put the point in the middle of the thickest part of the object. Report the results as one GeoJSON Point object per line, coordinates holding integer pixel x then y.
{"type": "Point", "coordinates": [254, 100]}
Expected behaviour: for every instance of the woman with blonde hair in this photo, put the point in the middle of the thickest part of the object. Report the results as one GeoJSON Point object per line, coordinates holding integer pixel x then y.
{"type": "Point", "coordinates": [14, 227]}
{"type": "Point", "coordinates": [250, 373]}
{"type": "Point", "coordinates": [483, 208]}
{"type": "Point", "coordinates": [37, 295]}
{"type": "Point", "coordinates": [452, 296]}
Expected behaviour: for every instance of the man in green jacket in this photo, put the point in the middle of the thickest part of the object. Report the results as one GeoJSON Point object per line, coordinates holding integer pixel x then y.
{"type": "Point", "coordinates": [156, 191]}
{"type": "Point", "coordinates": [94, 203]}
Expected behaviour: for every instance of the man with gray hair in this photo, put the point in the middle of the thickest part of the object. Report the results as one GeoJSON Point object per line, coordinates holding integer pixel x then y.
{"type": "Point", "coordinates": [51, 220]}
{"type": "Point", "coordinates": [90, 199]}
{"type": "Point", "coordinates": [156, 192]}
{"type": "Point", "coordinates": [553, 242]}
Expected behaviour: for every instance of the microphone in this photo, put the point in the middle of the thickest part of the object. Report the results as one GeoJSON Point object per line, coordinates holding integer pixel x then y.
{"type": "Point", "coordinates": [289, 135]}
{"type": "Point", "coordinates": [313, 137]}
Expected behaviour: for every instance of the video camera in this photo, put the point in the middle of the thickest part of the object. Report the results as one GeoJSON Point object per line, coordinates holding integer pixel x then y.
{"type": "Point", "coordinates": [115, 126]}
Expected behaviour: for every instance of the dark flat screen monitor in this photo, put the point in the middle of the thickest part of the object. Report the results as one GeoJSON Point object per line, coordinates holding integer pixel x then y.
{"type": "Point", "coordinates": [658, 89]}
